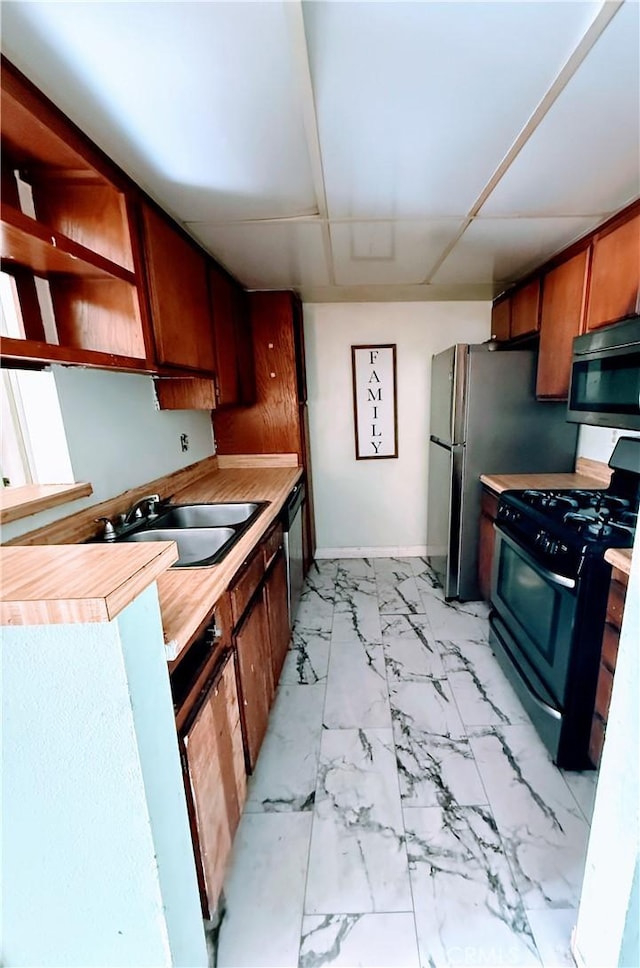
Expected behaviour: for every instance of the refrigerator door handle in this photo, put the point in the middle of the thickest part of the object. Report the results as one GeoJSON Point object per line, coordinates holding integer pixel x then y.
{"type": "Point", "coordinates": [456, 505]}
{"type": "Point", "coordinates": [446, 444]}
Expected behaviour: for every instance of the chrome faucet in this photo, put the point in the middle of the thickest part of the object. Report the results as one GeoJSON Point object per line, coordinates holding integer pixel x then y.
{"type": "Point", "coordinates": [135, 511]}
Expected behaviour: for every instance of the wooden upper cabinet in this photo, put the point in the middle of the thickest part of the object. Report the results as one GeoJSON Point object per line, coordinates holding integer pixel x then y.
{"type": "Point", "coordinates": [615, 274]}
{"type": "Point", "coordinates": [67, 219]}
{"type": "Point", "coordinates": [501, 319]}
{"type": "Point", "coordinates": [271, 425]}
{"type": "Point", "coordinates": [179, 295]}
{"type": "Point", "coordinates": [562, 316]}
{"type": "Point", "coordinates": [525, 309]}
{"type": "Point", "coordinates": [232, 340]}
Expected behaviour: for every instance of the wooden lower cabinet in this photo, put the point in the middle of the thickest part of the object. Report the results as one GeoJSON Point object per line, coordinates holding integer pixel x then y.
{"type": "Point", "coordinates": [221, 732]}
{"type": "Point", "coordinates": [255, 674]}
{"type": "Point", "coordinates": [278, 613]}
{"type": "Point", "coordinates": [488, 511]}
{"type": "Point", "coordinates": [215, 779]}
{"type": "Point", "coordinates": [609, 655]}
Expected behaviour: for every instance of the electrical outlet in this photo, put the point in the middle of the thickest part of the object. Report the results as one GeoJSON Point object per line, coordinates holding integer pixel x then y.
{"type": "Point", "coordinates": [184, 442]}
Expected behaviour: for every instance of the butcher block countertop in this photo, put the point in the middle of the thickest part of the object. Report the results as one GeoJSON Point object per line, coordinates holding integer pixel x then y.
{"type": "Point", "coordinates": [620, 558]}
{"type": "Point", "coordinates": [588, 474]}
{"type": "Point", "coordinates": [47, 583]}
{"type": "Point", "coordinates": [521, 482]}
{"type": "Point", "coordinates": [54, 584]}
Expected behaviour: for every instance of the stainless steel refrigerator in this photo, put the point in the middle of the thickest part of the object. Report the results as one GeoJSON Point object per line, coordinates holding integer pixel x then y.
{"type": "Point", "coordinates": [484, 420]}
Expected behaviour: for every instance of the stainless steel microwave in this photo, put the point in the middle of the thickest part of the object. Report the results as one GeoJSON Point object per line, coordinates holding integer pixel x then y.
{"type": "Point", "coordinates": [605, 377]}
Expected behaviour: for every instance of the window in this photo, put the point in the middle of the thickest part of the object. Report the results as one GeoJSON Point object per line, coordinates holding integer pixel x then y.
{"type": "Point", "coordinates": [34, 446]}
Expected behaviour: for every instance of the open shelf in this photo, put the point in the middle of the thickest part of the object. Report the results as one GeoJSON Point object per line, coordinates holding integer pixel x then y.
{"type": "Point", "coordinates": [26, 242]}
{"type": "Point", "coordinates": [68, 217]}
{"type": "Point", "coordinates": [32, 352]}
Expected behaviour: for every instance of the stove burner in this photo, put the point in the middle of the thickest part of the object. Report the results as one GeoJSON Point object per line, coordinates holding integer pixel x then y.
{"type": "Point", "coordinates": [594, 524]}
{"type": "Point", "coordinates": [586, 521]}
{"type": "Point", "coordinates": [598, 499]}
{"type": "Point", "coordinates": [550, 499]}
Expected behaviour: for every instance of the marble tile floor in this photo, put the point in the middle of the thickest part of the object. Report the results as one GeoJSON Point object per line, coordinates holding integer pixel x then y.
{"type": "Point", "coordinates": [403, 811]}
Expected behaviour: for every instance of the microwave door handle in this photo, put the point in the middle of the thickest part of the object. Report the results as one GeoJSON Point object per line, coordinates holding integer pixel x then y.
{"type": "Point", "coordinates": [551, 576]}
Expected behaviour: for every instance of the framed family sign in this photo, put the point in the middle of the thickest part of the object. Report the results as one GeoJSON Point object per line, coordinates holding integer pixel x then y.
{"type": "Point", "coordinates": [375, 401]}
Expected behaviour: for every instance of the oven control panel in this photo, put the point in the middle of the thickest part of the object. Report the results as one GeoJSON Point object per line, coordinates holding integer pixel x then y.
{"type": "Point", "coordinates": [544, 544]}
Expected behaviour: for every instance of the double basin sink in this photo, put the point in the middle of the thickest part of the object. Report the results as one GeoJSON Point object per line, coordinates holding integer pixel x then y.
{"type": "Point", "coordinates": [204, 533]}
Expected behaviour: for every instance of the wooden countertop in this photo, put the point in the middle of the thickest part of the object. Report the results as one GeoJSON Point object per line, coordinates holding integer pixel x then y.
{"type": "Point", "coordinates": [505, 482]}
{"type": "Point", "coordinates": [19, 502]}
{"type": "Point", "coordinates": [54, 584]}
{"type": "Point", "coordinates": [47, 583]}
{"type": "Point", "coordinates": [588, 474]}
{"type": "Point", "coordinates": [620, 558]}
{"type": "Point", "coordinates": [188, 594]}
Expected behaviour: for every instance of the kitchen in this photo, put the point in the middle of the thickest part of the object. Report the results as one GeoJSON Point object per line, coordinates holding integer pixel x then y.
{"type": "Point", "coordinates": [358, 508]}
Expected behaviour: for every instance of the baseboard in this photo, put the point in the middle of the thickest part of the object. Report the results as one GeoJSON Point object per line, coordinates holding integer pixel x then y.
{"type": "Point", "coordinates": [396, 551]}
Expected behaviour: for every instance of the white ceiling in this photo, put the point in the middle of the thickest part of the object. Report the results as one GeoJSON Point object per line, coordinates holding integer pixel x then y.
{"type": "Point", "coordinates": [368, 150]}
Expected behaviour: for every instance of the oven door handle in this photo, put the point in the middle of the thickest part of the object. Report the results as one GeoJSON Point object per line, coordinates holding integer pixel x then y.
{"type": "Point", "coordinates": [551, 576]}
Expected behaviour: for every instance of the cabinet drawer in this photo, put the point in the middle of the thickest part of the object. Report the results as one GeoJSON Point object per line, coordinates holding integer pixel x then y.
{"type": "Point", "coordinates": [245, 584]}
{"type": "Point", "coordinates": [271, 544]}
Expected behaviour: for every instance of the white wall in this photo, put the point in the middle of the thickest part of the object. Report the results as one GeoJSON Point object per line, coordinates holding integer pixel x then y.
{"type": "Point", "coordinates": [117, 439]}
{"type": "Point", "coordinates": [606, 932]}
{"type": "Point", "coordinates": [97, 853]}
{"type": "Point", "coordinates": [597, 443]}
{"type": "Point", "coordinates": [378, 504]}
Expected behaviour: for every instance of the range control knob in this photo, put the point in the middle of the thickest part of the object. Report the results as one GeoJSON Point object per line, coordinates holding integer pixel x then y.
{"type": "Point", "coordinates": [546, 543]}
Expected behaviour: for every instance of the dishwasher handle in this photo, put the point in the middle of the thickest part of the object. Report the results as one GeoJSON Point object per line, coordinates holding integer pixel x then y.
{"type": "Point", "coordinates": [293, 504]}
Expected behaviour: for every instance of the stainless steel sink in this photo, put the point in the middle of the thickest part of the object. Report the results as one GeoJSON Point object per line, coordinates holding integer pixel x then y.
{"type": "Point", "coordinates": [196, 546]}
{"type": "Point", "coordinates": [207, 515]}
{"type": "Point", "coordinates": [204, 533]}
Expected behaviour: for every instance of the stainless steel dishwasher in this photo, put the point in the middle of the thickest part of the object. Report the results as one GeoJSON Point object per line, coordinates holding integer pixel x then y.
{"type": "Point", "coordinates": [292, 527]}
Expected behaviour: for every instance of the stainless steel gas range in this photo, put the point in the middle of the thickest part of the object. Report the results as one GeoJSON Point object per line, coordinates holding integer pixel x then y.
{"type": "Point", "coordinates": [549, 593]}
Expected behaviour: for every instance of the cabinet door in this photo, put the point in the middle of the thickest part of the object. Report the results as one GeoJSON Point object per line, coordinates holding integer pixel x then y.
{"type": "Point", "coordinates": [501, 319]}
{"type": "Point", "coordinates": [525, 309]}
{"type": "Point", "coordinates": [179, 295]}
{"type": "Point", "coordinates": [489, 509]}
{"type": "Point", "coordinates": [278, 614]}
{"type": "Point", "coordinates": [563, 296]}
{"type": "Point", "coordinates": [271, 425]}
{"type": "Point", "coordinates": [256, 678]}
{"type": "Point", "coordinates": [213, 758]}
{"type": "Point", "coordinates": [232, 337]}
{"type": "Point", "coordinates": [615, 274]}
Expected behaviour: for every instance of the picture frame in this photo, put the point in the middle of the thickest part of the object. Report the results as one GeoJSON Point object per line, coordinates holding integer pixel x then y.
{"type": "Point", "coordinates": [375, 402]}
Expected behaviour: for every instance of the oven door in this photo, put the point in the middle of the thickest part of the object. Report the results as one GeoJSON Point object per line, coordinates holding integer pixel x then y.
{"type": "Point", "coordinates": [538, 608]}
